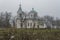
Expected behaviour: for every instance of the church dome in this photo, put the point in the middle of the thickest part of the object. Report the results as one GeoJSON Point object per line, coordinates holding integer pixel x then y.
{"type": "Point", "coordinates": [33, 14]}
{"type": "Point", "coordinates": [21, 14]}
{"type": "Point", "coordinates": [20, 10]}
{"type": "Point", "coordinates": [32, 11]}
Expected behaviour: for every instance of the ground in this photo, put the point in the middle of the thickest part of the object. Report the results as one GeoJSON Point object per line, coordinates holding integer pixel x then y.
{"type": "Point", "coordinates": [30, 34]}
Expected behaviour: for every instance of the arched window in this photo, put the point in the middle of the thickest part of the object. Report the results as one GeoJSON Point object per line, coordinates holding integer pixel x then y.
{"type": "Point", "coordinates": [30, 24]}
{"type": "Point", "coordinates": [38, 26]}
{"type": "Point", "coordinates": [34, 25]}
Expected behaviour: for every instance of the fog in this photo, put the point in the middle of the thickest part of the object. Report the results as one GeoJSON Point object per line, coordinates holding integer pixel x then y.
{"type": "Point", "coordinates": [43, 7]}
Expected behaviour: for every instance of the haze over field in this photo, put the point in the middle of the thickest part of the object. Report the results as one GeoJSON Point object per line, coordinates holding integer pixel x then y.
{"type": "Point", "coordinates": [43, 7]}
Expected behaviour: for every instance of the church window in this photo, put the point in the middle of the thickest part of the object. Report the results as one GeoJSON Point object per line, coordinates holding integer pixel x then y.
{"type": "Point", "coordinates": [30, 24]}
{"type": "Point", "coordinates": [21, 25]}
{"type": "Point", "coordinates": [34, 25]}
{"type": "Point", "coordinates": [20, 14]}
{"type": "Point", "coordinates": [31, 15]}
{"type": "Point", "coordinates": [38, 26]}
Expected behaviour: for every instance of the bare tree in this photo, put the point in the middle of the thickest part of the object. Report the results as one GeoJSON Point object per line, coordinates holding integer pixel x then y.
{"type": "Point", "coordinates": [1, 19]}
{"type": "Point", "coordinates": [13, 20]}
{"type": "Point", "coordinates": [49, 18]}
{"type": "Point", "coordinates": [5, 20]}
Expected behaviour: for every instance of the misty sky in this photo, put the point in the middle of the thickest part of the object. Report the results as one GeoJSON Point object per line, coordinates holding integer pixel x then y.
{"type": "Point", "coordinates": [43, 7]}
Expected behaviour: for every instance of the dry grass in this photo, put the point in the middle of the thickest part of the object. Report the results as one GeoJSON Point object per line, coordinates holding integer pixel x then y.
{"type": "Point", "coordinates": [30, 34]}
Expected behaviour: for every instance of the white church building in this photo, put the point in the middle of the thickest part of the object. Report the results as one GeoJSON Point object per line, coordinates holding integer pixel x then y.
{"type": "Point", "coordinates": [28, 20]}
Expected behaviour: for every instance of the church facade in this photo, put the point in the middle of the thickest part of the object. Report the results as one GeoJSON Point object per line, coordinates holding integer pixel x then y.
{"type": "Point", "coordinates": [30, 20]}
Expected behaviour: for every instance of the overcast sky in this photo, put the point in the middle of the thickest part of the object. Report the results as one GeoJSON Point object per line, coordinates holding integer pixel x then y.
{"type": "Point", "coordinates": [43, 7]}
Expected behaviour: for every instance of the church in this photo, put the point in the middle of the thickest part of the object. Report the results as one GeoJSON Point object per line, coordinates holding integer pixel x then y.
{"type": "Point", "coordinates": [30, 20]}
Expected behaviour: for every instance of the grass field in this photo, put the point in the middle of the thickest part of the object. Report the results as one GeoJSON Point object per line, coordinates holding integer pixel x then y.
{"type": "Point", "coordinates": [30, 34]}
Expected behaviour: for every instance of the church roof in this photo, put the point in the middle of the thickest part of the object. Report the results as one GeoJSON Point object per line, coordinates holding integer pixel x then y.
{"type": "Point", "coordinates": [32, 11]}
{"type": "Point", "coordinates": [20, 10]}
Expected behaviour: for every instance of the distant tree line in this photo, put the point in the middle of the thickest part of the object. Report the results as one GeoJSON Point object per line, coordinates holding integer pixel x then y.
{"type": "Point", "coordinates": [53, 21]}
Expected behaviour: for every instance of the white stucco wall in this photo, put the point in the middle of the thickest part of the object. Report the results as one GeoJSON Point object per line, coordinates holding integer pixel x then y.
{"type": "Point", "coordinates": [29, 24]}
